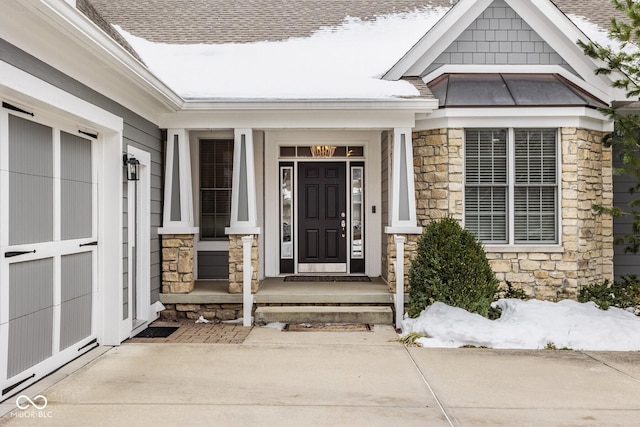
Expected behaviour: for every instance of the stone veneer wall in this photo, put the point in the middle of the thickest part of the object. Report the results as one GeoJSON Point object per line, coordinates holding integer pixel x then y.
{"type": "Point", "coordinates": [586, 255]}
{"type": "Point", "coordinates": [438, 172]}
{"type": "Point", "coordinates": [236, 273]}
{"type": "Point", "coordinates": [208, 311]}
{"type": "Point", "coordinates": [550, 273]}
{"type": "Point", "coordinates": [177, 263]}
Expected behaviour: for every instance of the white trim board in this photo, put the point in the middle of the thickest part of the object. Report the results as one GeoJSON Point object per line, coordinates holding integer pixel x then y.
{"type": "Point", "coordinates": [143, 259]}
{"type": "Point", "coordinates": [580, 117]}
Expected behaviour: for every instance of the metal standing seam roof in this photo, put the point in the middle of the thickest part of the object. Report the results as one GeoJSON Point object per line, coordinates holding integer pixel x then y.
{"type": "Point", "coordinates": [509, 90]}
{"type": "Point", "coordinates": [245, 21]}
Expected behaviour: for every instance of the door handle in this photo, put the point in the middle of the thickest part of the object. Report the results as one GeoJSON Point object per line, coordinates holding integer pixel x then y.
{"type": "Point", "coordinates": [343, 226]}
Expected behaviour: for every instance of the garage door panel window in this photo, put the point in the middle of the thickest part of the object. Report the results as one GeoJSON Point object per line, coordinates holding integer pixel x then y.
{"type": "Point", "coordinates": [76, 187]}
{"type": "Point", "coordinates": [30, 314]}
{"type": "Point", "coordinates": [511, 185]}
{"type": "Point", "coordinates": [31, 182]}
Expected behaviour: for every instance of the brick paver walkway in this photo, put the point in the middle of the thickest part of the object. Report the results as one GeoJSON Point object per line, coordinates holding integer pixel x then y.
{"type": "Point", "coordinates": [205, 333]}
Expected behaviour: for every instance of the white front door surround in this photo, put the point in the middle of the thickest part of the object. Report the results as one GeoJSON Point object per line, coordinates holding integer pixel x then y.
{"type": "Point", "coordinates": [370, 140]}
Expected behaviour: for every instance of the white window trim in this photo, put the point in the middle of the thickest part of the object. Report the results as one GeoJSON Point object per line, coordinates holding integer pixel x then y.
{"type": "Point", "coordinates": [510, 246]}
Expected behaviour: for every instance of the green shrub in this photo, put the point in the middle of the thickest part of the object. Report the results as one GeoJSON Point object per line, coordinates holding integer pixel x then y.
{"type": "Point", "coordinates": [513, 292]}
{"type": "Point", "coordinates": [450, 266]}
{"type": "Point", "coordinates": [623, 294]}
{"type": "Point", "coordinates": [509, 292]}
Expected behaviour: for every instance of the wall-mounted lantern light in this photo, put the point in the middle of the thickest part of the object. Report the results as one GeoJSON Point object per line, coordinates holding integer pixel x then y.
{"type": "Point", "coordinates": [133, 167]}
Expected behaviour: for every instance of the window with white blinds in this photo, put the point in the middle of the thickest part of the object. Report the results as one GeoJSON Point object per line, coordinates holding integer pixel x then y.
{"type": "Point", "coordinates": [486, 184]}
{"type": "Point", "coordinates": [511, 185]}
{"type": "Point", "coordinates": [535, 186]}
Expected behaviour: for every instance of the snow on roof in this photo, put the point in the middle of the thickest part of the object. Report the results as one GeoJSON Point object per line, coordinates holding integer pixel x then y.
{"type": "Point", "coordinates": [336, 62]}
{"type": "Point", "coordinates": [340, 62]}
{"type": "Point", "coordinates": [595, 33]}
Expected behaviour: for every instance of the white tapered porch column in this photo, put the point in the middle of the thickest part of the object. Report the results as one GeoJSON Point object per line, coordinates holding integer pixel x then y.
{"type": "Point", "coordinates": [402, 208]}
{"type": "Point", "coordinates": [178, 230]}
{"type": "Point", "coordinates": [178, 192]}
{"type": "Point", "coordinates": [243, 231]}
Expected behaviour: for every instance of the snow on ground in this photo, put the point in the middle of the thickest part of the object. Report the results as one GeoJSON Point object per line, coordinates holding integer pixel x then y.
{"type": "Point", "coordinates": [529, 324]}
{"type": "Point", "coordinates": [343, 62]}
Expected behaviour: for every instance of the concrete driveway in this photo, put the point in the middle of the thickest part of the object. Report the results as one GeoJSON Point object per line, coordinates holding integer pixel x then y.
{"type": "Point", "coordinates": [280, 378]}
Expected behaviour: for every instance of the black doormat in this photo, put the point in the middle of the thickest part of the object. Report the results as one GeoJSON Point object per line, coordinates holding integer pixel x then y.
{"type": "Point", "coordinates": [157, 332]}
{"type": "Point", "coordinates": [327, 279]}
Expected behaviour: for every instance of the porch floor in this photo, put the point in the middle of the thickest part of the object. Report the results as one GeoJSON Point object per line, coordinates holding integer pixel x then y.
{"type": "Point", "coordinates": [274, 290]}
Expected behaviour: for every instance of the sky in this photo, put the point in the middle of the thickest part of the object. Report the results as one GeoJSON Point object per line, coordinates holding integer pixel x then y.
{"type": "Point", "coordinates": [529, 324]}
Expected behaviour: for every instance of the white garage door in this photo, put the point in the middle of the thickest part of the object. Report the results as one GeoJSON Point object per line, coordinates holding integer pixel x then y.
{"type": "Point", "coordinates": [48, 248]}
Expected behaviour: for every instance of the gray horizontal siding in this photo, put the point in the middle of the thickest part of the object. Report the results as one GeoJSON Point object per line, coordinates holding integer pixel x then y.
{"type": "Point", "coordinates": [624, 263]}
{"type": "Point", "coordinates": [137, 132]}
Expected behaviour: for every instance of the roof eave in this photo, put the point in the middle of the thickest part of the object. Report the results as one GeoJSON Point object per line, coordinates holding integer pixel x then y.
{"type": "Point", "coordinates": [397, 104]}
{"type": "Point", "coordinates": [80, 27]}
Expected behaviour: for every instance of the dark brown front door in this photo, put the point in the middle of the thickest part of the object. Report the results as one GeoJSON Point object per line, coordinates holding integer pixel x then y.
{"type": "Point", "coordinates": [322, 217]}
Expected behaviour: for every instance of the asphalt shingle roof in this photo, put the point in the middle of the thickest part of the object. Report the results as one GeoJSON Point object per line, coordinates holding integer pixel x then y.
{"type": "Point", "coordinates": [87, 8]}
{"type": "Point", "coordinates": [243, 21]}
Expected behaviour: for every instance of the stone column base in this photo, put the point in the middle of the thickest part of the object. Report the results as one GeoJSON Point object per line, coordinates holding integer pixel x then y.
{"type": "Point", "coordinates": [236, 272]}
{"type": "Point", "coordinates": [410, 247]}
{"type": "Point", "coordinates": [177, 263]}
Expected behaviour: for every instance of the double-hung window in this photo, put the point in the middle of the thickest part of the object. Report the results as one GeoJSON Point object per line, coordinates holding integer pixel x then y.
{"type": "Point", "coordinates": [216, 172]}
{"type": "Point", "coordinates": [511, 185]}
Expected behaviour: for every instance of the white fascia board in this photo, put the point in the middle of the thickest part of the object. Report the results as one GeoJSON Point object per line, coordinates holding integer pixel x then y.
{"type": "Point", "coordinates": [92, 38]}
{"type": "Point", "coordinates": [437, 39]}
{"type": "Point", "coordinates": [406, 104]}
{"type": "Point", "coordinates": [580, 117]}
{"type": "Point", "coordinates": [302, 115]}
{"type": "Point", "coordinates": [562, 35]}
{"type": "Point", "coordinates": [597, 91]}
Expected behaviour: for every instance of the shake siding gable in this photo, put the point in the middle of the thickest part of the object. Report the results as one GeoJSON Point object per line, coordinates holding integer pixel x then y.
{"type": "Point", "coordinates": [498, 37]}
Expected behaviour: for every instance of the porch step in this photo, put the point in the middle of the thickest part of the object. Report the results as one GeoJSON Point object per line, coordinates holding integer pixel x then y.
{"type": "Point", "coordinates": [325, 314]}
